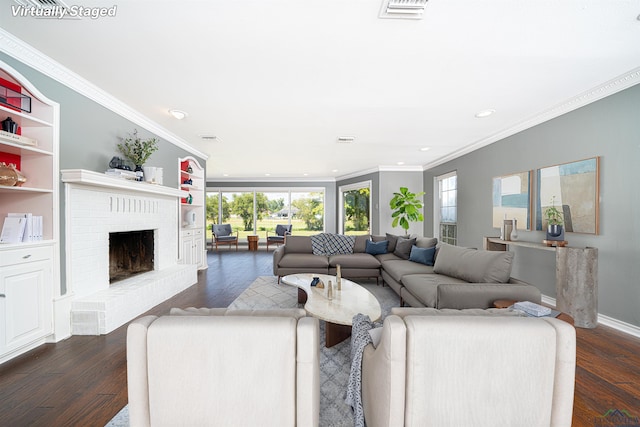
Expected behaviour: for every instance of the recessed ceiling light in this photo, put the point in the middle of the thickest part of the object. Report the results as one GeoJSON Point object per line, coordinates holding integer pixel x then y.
{"type": "Point", "coordinates": [267, 174]}
{"type": "Point", "coordinates": [225, 174]}
{"type": "Point", "coordinates": [334, 170]}
{"type": "Point", "coordinates": [178, 114]}
{"type": "Point", "coordinates": [425, 149]}
{"type": "Point", "coordinates": [484, 113]}
{"type": "Point", "coordinates": [305, 174]}
{"type": "Point", "coordinates": [400, 163]}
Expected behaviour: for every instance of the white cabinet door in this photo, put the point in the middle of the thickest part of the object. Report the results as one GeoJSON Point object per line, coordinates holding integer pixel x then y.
{"type": "Point", "coordinates": [198, 250]}
{"type": "Point", "coordinates": [187, 249]}
{"type": "Point", "coordinates": [25, 304]}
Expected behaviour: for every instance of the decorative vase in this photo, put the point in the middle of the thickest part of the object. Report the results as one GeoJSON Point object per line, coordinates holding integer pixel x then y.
{"type": "Point", "coordinates": [8, 175]}
{"type": "Point", "coordinates": [189, 199]}
{"type": "Point", "coordinates": [514, 230]}
{"type": "Point", "coordinates": [139, 173]}
{"type": "Point", "coordinates": [8, 125]}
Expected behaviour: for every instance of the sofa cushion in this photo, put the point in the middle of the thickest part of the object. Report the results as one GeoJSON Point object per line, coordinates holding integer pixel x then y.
{"type": "Point", "coordinates": [403, 247]}
{"type": "Point", "coordinates": [473, 265]}
{"type": "Point", "coordinates": [303, 261]}
{"type": "Point", "coordinates": [388, 257]}
{"type": "Point", "coordinates": [298, 245]}
{"type": "Point", "coordinates": [426, 242]}
{"type": "Point", "coordinates": [361, 243]}
{"type": "Point", "coordinates": [397, 268]}
{"type": "Point", "coordinates": [423, 255]}
{"type": "Point", "coordinates": [376, 248]}
{"type": "Point", "coordinates": [354, 261]}
{"type": "Point", "coordinates": [425, 286]}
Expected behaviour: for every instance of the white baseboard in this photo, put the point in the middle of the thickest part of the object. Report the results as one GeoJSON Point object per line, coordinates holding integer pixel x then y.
{"type": "Point", "coordinates": [619, 325]}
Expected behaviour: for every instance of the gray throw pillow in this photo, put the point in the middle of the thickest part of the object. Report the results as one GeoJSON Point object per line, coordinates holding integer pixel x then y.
{"type": "Point", "coordinates": [392, 238]}
{"type": "Point", "coordinates": [403, 247]}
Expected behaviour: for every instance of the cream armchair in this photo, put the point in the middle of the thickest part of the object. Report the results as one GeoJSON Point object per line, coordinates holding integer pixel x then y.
{"type": "Point", "coordinates": [203, 367]}
{"type": "Point", "coordinates": [469, 370]}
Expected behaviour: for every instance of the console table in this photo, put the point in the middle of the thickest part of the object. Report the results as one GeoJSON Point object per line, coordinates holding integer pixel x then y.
{"type": "Point", "coordinates": [576, 278]}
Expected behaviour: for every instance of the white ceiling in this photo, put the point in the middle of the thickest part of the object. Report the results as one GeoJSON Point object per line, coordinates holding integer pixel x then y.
{"type": "Point", "coordinates": [277, 81]}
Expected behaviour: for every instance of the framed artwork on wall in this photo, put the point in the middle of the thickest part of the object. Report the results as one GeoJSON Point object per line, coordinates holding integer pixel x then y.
{"type": "Point", "coordinates": [574, 189]}
{"type": "Point", "coordinates": [512, 199]}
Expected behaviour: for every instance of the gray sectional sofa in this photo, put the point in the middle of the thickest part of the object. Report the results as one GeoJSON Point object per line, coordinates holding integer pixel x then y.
{"type": "Point", "coordinates": [457, 278]}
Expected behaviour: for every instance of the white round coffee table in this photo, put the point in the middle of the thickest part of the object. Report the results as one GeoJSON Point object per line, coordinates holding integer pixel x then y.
{"type": "Point", "coordinates": [338, 312]}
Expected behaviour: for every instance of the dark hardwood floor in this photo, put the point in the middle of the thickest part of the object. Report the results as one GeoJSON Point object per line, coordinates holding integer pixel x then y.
{"type": "Point", "coordinates": [82, 381]}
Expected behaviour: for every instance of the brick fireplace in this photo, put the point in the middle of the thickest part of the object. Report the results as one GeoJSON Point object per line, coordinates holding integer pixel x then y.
{"type": "Point", "coordinates": [97, 207]}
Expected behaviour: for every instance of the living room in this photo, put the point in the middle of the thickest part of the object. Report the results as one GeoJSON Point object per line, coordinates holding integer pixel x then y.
{"type": "Point", "coordinates": [599, 122]}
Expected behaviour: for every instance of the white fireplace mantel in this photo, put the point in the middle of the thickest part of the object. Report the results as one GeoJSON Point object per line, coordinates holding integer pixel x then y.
{"type": "Point", "coordinates": [97, 179]}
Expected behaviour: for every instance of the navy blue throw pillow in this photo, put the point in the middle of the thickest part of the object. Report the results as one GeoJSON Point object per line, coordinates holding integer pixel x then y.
{"type": "Point", "coordinates": [423, 255]}
{"type": "Point", "coordinates": [376, 248]}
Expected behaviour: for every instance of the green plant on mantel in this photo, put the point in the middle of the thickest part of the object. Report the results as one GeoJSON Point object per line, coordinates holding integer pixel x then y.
{"type": "Point", "coordinates": [136, 149]}
{"type": "Point", "coordinates": [406, 208]}
{"type": "Point", "coordinates": [552, 214]}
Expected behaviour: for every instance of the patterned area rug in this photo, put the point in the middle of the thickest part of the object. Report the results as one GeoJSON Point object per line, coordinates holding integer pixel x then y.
{"type": "Point", "coordinates": [335, 362]}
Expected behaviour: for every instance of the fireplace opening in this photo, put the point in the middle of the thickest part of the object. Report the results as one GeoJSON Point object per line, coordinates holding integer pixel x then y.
{"type": "Point", "coordinates": [130, 253]}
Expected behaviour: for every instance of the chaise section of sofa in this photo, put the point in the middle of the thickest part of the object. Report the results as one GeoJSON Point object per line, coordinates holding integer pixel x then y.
{"type": "Point", "coordinates": [460, 278]}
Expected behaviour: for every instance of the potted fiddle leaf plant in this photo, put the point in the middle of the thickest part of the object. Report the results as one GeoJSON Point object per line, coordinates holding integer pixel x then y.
{"type": "Point", "coordinates": [555, 221]}
{"type": "Point", "coordinates": [405, 207]}
{"type": "Point", "coordinates": [138, 150]}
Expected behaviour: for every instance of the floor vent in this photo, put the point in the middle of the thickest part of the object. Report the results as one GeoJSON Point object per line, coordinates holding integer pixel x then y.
{"type": "Point", "coordinates": [403, 9]}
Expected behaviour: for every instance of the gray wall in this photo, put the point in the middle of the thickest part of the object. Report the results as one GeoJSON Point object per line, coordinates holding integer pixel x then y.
{"type": "Point", "coordinates": [609, 128]}
{"type": "Point", "coordinates": [89, 134]}
{"type": "Point", "coordinates": [329, 194]}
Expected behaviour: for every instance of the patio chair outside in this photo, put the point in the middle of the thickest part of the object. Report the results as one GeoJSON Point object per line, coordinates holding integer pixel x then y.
{"type": "Point", "coordinates": [224, 235]}
{"type": "Point", "coordinates": [280, 233]}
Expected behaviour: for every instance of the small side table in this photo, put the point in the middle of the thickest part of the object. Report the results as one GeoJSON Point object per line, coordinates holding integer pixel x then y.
{"type": "Point", "coordinates": [253, 242]}
{"type": "Point", "coordinates": [506, 303]}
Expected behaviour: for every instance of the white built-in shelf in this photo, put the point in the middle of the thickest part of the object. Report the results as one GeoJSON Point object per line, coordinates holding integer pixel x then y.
{"type": "Point", "coordinates": [18, 190]}
{"type": "Point", "coordinates": [24, 119]}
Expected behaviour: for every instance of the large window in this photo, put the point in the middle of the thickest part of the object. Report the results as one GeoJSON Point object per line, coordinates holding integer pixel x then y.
{"type": "Point", "coordinates": [256, 211]}
{"type": "Point", "coordinates": [447, 208]}
{"type": "Point", "coordinates": [355, 208]}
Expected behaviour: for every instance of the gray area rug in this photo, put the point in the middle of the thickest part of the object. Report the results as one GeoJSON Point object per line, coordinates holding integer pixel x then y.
{"type": "Point", "coordinates": [265, 292]}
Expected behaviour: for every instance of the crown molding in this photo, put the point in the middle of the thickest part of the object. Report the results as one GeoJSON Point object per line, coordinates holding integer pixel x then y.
{"type": "Point", "coordinates": [28, 55]}
{"type": "Point", "coordinates": [610, 87]}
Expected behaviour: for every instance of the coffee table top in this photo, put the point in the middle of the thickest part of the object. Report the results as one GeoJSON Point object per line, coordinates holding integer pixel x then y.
{"type": "Point", "coordinates": [348, 302]}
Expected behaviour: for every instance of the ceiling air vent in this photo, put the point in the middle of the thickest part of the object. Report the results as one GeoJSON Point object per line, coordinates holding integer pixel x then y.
{"type": "Point", "coordinates": [402, 9]}
{"type": "Point", "coordinates": [42, 4]}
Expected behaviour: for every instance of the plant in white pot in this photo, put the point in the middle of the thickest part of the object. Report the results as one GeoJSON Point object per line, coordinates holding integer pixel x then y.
{"type": "Point", "coordinates": [406, 208]}
{"type": "Point", "coordinates": [138, 150]}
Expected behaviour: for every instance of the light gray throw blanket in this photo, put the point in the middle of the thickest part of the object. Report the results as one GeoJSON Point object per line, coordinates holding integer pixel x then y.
{"type": "Point", "coordinates": [359, 339]}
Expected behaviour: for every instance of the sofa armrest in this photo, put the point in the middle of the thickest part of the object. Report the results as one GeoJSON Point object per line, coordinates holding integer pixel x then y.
{"type": "Point", "coordinates": [383, 376]}
{"type": "Point", "coordinates": [277, 256]}
{"type": "Point", "coordinates": [482, 295]}
{"type": "Point", "coordinates": [137, 379]}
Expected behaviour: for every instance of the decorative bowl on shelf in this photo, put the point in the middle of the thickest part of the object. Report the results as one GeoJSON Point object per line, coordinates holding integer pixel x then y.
{"type": "Point", "coordinates": [8, 175]}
